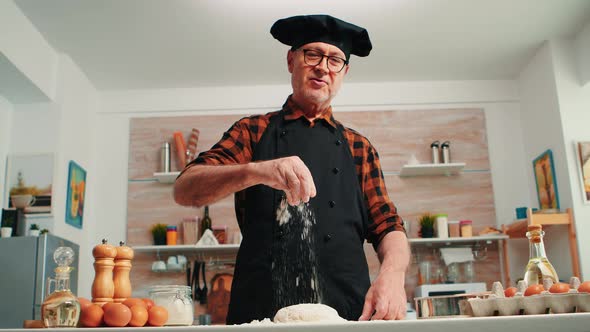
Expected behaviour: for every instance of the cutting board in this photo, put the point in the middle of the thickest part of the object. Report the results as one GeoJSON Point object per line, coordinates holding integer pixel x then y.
{"type": "Point", "coordinates": [219, 297]}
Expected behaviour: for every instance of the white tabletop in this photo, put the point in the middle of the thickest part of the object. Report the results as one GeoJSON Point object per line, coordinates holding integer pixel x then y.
{"type": "Point", "coordinates": [533, 323]}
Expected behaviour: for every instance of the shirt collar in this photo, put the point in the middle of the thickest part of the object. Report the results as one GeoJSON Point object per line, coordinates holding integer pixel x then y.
{"type": "Point", "coordinates": [294, 112]}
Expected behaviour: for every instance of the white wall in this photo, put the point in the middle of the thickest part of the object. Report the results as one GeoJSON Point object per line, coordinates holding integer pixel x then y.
{"type": "Point", "coordinates": [5, 132]}
{"type": "Point", "coordinates": [26, 48]}
{"type": "Point", "coordinates": [582, 54]}
{"type": "Point", "coordinates": [77, 102]}
{"type": "Point", "coordinates": [574, 103]}
{"type": "Point", "coordinates": [541, 130]}
{"type": "Point", "coordinates": [64, 126]}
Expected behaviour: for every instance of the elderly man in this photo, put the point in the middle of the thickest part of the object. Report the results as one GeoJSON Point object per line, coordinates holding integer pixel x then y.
{"type": "Point", "coordinates": [303, 153]}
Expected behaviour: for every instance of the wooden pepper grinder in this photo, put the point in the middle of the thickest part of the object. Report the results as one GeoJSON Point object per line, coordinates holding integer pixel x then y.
{"type": "Point", "coordinates": [121, 273]}
{"type": "Point", "coordinates": [103, 287]}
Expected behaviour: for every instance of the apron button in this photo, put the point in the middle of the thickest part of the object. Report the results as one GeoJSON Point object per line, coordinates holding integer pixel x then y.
{"type": "Point", "coordinates": [332, 204]}
{"type": "Point", "coordinates": [327, 237]}
{"type": "Point", "coordinates": [338, 142]}
{"type": "Point", "coordinates": [336, 170]}
{"type": "Point", "coordinates": [283, 132]}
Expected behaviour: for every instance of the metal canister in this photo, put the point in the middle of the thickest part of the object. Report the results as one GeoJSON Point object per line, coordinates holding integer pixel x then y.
{"type": "Point", "coordinates": [434, 147]}
{"type": "Point", "coordinates": [165, 158]}
{"type": "Point", "coordinates": [446, 152]}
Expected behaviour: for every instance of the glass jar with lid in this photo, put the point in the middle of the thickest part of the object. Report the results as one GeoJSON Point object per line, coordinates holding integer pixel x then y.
{"type": "Point", "coordinates": [177, 300]}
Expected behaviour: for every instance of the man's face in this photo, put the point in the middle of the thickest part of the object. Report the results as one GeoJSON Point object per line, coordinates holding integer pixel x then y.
{"type": "Point", "coordinates": [315, 84]}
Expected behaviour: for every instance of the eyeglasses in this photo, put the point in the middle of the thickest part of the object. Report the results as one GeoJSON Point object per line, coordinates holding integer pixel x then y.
{"type": "Point", "coordinates": [314, 58]}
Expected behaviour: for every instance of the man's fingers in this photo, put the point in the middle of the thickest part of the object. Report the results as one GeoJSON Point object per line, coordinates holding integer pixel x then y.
{"type": "Point", "coordinates": [381, 309]}
{"type": "Point", "coordinates": [294, 188]}
{"type": "Point", "coordinates": [367, 310]}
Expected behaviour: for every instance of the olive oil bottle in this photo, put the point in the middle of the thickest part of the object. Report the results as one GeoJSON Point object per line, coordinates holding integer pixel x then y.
{"type": "Point", "coordinates": [205, 222]}
{"type": "Point", "coordinates": [538, 267]}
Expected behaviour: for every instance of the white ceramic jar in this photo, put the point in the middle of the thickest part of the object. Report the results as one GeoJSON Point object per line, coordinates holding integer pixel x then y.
{"type": "Point", "coordinates": [441, 227]}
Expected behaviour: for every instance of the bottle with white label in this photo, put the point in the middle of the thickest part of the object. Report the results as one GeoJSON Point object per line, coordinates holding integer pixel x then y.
{"type": "Point", "coordinates": [441, 226]}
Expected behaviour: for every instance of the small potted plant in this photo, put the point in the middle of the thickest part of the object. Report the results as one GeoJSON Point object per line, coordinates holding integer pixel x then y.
{"type": "Point", "coordinates": [44, 231]}
{"type": "Point", "coordinates": [427, 225]}
{"type": "Point", "coordinates": [159, 234]}
{"type": "Point", "coordinates": [6, 227]}
{"type": "Point", "coordinates": [34, 230]}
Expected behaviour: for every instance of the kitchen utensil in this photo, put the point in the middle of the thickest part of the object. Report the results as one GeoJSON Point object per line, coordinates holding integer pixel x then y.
{"type": "Point", "coordinates": [219, 297]}
{"type": "Point", "coordinates": [195, 281]}
{"type": "Point", "coordinates": [434, 147]}
{"type": "Point", "coordinates": [165, 158]}
{"type": "Point", "coordinates": [446, 152]}
{"type": "Point", "coordinates": [191, 151]}
{"type": "Point", "coordinates": [204, 290]}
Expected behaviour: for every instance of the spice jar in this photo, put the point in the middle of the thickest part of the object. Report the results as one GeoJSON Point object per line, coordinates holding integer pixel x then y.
{"type": "Point", "coordinates": [466, 228]}
{"type": "Point", "coordinates": [177, 300]}
{"type": "Point", "coordinates": [171, 235]}
{"type": "Point", "coordinates": [454, 230]}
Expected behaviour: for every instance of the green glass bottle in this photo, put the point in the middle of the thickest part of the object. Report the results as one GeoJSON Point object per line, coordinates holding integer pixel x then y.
{"type": "Point", "coordinates": [205, 222]}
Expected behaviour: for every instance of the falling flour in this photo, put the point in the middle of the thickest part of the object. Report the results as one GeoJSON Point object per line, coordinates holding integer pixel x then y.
{"type": "Point", "coordinates": [294, 263]}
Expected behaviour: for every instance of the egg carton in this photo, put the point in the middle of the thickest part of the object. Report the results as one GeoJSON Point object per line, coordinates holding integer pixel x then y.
{"type": "Point", "coordinates": [529, 305]}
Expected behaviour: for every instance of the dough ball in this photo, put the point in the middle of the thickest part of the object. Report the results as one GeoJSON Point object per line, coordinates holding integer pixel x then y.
{"type": "Point", "coordinates": [307, 312]}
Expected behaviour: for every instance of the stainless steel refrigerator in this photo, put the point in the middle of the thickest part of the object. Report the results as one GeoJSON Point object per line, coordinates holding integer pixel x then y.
{"type": "Point", "coordinates": [25, 264]}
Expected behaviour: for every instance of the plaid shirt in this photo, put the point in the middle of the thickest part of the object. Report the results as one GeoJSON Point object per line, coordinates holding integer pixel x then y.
{"type": "Point", "coordinates": [236, 147]}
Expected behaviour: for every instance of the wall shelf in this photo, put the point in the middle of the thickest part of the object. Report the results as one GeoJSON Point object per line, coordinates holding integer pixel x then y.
{"type": "Point", "coordinates": [452, 240]}
{"type": "Point", "coordinates": [431, 169]}
{"type": "Point", "coordinates": [189, 248]}
{"type": "Point", "coordinates": [168, 177]}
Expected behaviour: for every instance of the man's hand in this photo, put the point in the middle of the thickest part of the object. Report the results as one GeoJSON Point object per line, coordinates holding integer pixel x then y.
{"type": "Point", "coordinates": [386, 299]}
{"type": "Point", "coordinates": [290, 175]}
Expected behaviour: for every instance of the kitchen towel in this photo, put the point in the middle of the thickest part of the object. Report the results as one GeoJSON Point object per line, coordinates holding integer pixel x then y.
{"type": "Point", "coordinates": [456, 255]}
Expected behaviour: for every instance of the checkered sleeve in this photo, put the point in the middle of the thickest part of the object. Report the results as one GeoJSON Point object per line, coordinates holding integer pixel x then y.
{"type": "Point", "coordinates": [382, 213]}
{"type": "Point", "coordinates": [235, 146]}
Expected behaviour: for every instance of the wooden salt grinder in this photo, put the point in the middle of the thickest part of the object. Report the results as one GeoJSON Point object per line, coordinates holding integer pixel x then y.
{"type": "Point", "coordinates": [103, 287]}
{"type": "Point", "coordinates": [121, 273]}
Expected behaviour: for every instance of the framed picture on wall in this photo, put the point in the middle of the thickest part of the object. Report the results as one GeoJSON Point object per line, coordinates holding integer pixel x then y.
{"type": "Point", "coordinates": [583, 154]}
{"type": "Point", "coordinates": [29, 176]}
{"type": "Point", "coordinates": [76, 193]}
{"type": "Point", "coordinates": [544, 171]}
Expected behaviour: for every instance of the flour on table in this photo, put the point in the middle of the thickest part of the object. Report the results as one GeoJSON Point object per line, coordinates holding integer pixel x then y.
{"type": "Point", "coordinates": [307, 312]}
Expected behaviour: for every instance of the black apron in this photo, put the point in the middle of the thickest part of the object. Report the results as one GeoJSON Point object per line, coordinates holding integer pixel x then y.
{"type": "Point", "coordinates": [337, 236]}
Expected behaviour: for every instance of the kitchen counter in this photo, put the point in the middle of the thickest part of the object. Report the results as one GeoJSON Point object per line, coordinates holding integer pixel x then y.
{"type": "Point", "coordinates": [533, 323]}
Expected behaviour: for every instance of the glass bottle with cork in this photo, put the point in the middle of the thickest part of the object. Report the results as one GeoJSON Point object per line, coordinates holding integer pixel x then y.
{"type": "Point", "coordinates": [205, 222]}
{"type": "Point", "coordinates": [61, 308]}
{"type": "Point", "coordinates": [538, 267]}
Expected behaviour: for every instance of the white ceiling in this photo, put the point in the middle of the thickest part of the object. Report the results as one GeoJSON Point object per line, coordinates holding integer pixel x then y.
{"type": "Point", "coordinates": [148, 44]}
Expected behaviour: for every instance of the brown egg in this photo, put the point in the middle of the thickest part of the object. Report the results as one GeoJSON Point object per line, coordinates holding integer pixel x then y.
{"type": "Point", "coordinates": [533, 290]}
{"type": "Point", "coordinates": [584, 287]}
{"type": "Point", "coordinates": [139, 315]}
{"type": "Point", "coordinates": [559, 287]}
{"type": "Point", "coordinates": [510, 291]}
{"type": "Point", "coordinates": [117, 315]}
{"type": "Point", "coordinates": [148, 302]}
{"type": "Point", "coordinates": [84, 302]}
{"type": "Point", "coordinates": [157, 316]}
{"type": "Point", "coordinates": [130, 302]}
{"type": "Point", "coordinates": [91, 316]}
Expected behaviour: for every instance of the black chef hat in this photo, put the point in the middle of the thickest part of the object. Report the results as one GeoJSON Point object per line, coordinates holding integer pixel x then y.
{"type": "Point", "coordinates": [296, 31]}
